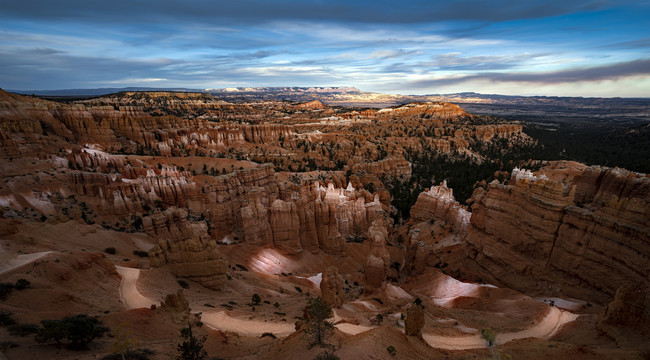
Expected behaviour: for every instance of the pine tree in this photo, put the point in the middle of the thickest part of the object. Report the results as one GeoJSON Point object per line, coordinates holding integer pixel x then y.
{"type": "Point", "coordinates": [192, 347]}
{"type": "Point", "coordinates": [317, 327]}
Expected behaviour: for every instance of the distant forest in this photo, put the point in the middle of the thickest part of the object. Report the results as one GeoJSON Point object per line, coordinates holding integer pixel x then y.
{"type": "Point", "coordinates": [594, 144]}
{"type": "Point", "coordinates": [625, 145]}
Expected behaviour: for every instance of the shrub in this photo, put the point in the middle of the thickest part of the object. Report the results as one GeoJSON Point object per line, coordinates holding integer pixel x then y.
{"type": "Point", "coordinates": [6, 319]}
{"type": "Point", "coordinates": [489, 335]}
{"type": "Point", "coordinates": [298, 289]}
{"type": "Point", "coordinates": [140, 253]}
{"type": "Point", "coordinates": [110, 250]}
{"type": "Point", "coordinates": [79, 330]}
{"type": "Point", "coordinates": [242, 267]}
{"type": "Point", "coordinates": [124, 341]}
{"type": "Point", "coordinates": [256, 299]}
{"type": "Point", "coordinates": [391, 350]}
{"type": "Point", "coordinates": [183, 283]}
{"type": "Point", "coordinates": [379, 318]}
{"type": "Point", "coordinates": [269, 335]}
{"type": "Point", "coordinates": [276, 304]}
{"type": "Point", "coordinates": [22, 284]}
{"type": "Point", "coordinates": [5, 290]}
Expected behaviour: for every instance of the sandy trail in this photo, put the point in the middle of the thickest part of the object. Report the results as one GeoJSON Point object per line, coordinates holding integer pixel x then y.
{"type": "Point", "coordinates": [10, 263]}
{"type": "Point", "coordinates": [129, 293]}
{"type": "Point", "coordinates": [353, 329]}
{"type": "Point", "coordinates": [546, 328]}
{"type": "Point", "coordinates": [251, 327]}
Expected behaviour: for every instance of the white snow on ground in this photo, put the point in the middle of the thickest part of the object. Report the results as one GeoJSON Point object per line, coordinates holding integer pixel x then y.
{"type": "Point", "coordinates": [129, 293]}
{"type": "Point", "coordinates": [12, 262]}
{"type": "Point", "coordinates": [252, 327]}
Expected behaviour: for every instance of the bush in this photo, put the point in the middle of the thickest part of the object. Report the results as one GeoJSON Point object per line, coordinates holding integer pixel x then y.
{"type": "Point", "coordinates": [5, 290]}
{"type": "Point", "coordinates": [79, 331]}
{"type": "Point", "coordinates": [140, 253]}
{"type": "Point", "coordinates": [6, 319]}
{"type": "Point", "coordinates": [110, 250]}
{"type": "Point", "coordinates": [391, 350]}
{"type": "Point", "coordinates": [379, 318]}
{"type": "Point", "coordinates": [183, 283]}
{"type": "Point", "coordinates": [256, 299]}
{"type": "Point", "coordinates": [269, 335]}
{"type": "Point", "coordinates": [23, 329]}
{"type": "Point", "coordinates": [241, 267]}
{"type": "Point", "coordinates": [22, 284]}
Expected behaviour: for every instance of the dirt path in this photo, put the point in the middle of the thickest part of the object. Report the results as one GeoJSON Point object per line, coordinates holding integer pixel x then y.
{"type": "Point", "coordinates": [251, 327]}
{"type": "Point", "coordinates": [546, 328]}
{"type": "Point", "coordinates": [9, 263]}
{"type": "Point", "coordinates": [129, 293]}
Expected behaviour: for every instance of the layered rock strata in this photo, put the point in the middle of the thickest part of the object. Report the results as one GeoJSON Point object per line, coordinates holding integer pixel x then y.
{"type": "Point", "coordinates": [583, 238]}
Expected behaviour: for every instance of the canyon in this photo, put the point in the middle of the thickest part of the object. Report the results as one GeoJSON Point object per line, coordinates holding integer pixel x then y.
{"type": "Point", "coordinates": [289, 200]}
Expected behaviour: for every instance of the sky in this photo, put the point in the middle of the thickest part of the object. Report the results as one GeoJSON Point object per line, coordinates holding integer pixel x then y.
{"type": "Point", "coordinates": [552, 47]}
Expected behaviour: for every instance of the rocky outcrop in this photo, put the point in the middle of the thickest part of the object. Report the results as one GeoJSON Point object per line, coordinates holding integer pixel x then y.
{"type": "Point", "coordinates": [285, 226]}
{"type": "Point", "coordinates": [378, 260]}
{"type": "Point", "coordinates": [176, 306]}
{"type": "Point", "coordinates": [331, 287]}
{"type": "Point", "coordinates": [438, 203]}
{"type": "Point", "coordinates": [255, 222]}
{"type": "Point", "coordinates": [630, 308]}
{"type": "Point", "coordinates": [375, 273]}
{"type": "Point", "coordinates": [414, 320]}
{"type": "Point", "coordinates": [582, 238]}
{"type": "Point", "coordinates": [186, 249]}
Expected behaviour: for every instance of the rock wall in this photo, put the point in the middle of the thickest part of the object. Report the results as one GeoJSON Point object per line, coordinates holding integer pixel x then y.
{"type": "Point", "coordinates": [581, 238]}
{"type": "Point", "coordinates": [186, 248]}
{"type": "Point", "coordinates": [439, 203]}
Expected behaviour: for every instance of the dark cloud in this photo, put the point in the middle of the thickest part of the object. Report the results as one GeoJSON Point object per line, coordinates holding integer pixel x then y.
{"type": "Point", "coordinates": [483, 62]}
{"type": "Point", "coordinates": [253, 11]}
{"type": "Point", "coordinates": [600, 73]}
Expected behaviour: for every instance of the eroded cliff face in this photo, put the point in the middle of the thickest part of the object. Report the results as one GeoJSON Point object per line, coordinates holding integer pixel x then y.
{"type": "Point", "coordinates": [568, 230]}
{"type": "Point", "coordinates": [582, 238]}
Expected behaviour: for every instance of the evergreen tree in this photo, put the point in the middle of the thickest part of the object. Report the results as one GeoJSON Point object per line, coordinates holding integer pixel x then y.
{"type": "Point", "coordinates": [192, 347]}
{"type": "Point", "coordinates": [317, 327]}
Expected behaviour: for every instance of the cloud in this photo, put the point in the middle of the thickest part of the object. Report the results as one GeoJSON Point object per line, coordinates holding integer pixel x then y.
{"type": "Point", "coordinates": [255, 11]}
{"type": "Point", "coordinates": [385, 54]}
{"type": "Point", "coordinates": [616, 71]}
{"type": "Point", "coordinates": [454, 61]}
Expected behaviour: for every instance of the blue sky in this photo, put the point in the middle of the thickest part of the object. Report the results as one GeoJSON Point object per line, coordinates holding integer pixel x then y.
{"type": "Point", "coordinates": [566, 48]}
